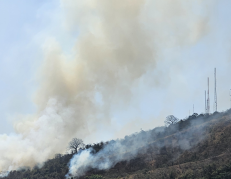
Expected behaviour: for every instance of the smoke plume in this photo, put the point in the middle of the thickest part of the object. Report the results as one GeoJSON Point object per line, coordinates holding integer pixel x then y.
{"type": "Point", "coordinates": [147, 145]}
{"type": "Point", "coordinates": [117, 43]}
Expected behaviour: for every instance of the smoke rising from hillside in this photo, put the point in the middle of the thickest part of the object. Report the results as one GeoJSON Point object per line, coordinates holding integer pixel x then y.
{"type": "Point", "coordinates": [117, 44]}
{"type": "Point", "coordinates": [147, 145]}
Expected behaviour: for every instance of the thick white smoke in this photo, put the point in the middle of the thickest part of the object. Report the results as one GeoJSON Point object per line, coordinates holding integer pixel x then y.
{"type": "Point", "coordinates": [144, 144]}
{"type": "Point", "coordinates": [104, 159]}
{"type": "Point", "coordinates": [117, 44]}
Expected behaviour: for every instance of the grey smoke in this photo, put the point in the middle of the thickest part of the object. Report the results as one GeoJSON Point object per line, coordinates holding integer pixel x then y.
{"type": "Point", "coordinates": [117, 44]}
{"type": "Point", "coordinates": [144, 142]}
{"type": "Point", "coordinates": [112, 153]}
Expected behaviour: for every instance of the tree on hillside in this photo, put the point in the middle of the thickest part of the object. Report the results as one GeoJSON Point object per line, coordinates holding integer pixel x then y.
{"type": "Point", "coordinates": [170, 120]}
{"type": "Point", "coordinates": [75, 144]}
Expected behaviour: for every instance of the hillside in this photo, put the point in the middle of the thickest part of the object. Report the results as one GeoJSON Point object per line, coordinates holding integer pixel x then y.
{"type": "Point", "coordinates": [197, 147]}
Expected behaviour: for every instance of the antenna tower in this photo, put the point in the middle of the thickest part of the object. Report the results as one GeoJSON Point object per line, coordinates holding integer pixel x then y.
{"type": "Point", "coordinates": [205, 103]}
{"type": "Point", "coordinates": [208, 101]}
{"type": "Point", "coordinates": [215, 92]}
{"type": "Point", "coordinates": [230, 97]}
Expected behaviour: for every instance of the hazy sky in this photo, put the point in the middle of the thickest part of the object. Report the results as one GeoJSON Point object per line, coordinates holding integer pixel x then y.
{"type": "Point", "coordinates": [183, 69]}
{"type": "Point", "coordinates": [20, 22]}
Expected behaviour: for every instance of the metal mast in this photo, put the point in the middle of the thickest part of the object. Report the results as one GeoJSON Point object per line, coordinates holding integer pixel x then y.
{"type": "Point", "coordinates": [208, 101]}
{"type": "Point", "coordinates": [230, 97]}
{"type": "Point", "coordinates": [215, 92]}
{"type": "Point", "coordinates": [205, 103]}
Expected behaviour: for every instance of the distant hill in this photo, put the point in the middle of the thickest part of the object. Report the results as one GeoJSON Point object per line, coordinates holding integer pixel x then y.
{"type": "Point", "coordinates": [197, 147]}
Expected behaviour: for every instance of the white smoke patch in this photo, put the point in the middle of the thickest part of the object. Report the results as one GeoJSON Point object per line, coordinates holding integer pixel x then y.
{"type": "Point", "coordinates": [43, 138]}
{"type": "Point", "coordinates": [140, 144]}
{"type": "Point", "coordinates": [4, 174]}
{"type": "Point", "coordinates": [116, 47]}
{"type": "Point", "coordinates": [112, 153]}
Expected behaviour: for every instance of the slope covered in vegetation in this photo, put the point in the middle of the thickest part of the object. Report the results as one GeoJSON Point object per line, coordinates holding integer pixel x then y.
{"type": "Point", "coordinates": [198, 147]}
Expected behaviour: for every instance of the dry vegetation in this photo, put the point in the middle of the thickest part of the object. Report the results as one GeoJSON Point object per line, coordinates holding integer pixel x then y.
{"type": "Point", "coordinates": [198, 147]}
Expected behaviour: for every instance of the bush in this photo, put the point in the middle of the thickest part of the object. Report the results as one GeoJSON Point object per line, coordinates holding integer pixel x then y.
{"type": "Point", "coordinates": [95, 177]}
